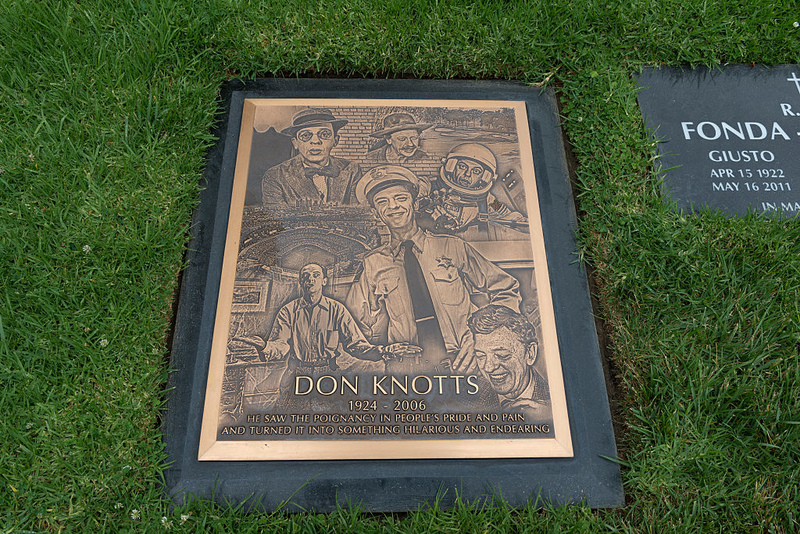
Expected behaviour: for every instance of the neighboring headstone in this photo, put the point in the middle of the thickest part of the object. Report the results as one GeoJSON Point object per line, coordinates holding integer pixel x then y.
{"type": "Point", "coordinates": [728, 137]}
{"type": "Point", "coordinates": [392, 311]}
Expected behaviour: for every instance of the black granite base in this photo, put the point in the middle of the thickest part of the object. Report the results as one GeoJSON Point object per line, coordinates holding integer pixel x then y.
{"type": "Point", "coordinates": [591, 477]}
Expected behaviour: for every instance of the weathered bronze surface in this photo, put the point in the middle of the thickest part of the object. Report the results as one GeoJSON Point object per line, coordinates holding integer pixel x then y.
{"type": "Point", "coordinates": [385, 291]}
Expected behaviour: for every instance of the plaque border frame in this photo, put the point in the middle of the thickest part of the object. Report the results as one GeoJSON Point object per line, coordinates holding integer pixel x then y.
{"type": "Point", "coordinates": [212, 448]}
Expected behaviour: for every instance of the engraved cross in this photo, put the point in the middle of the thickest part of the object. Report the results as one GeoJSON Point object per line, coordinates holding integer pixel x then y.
{"type": "Point", "coordinates": [796, 81]}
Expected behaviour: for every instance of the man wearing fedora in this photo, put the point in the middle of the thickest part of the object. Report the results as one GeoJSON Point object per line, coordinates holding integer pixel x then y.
{"type": "Point", "coordinates": [313, 175]}
{"type": "Point", "coordinates": [399, 140]}
{"type": "Point", "coordinates": [417, 288]}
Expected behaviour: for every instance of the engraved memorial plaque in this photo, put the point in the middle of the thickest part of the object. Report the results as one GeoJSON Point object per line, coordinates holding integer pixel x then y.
{"type": "Point", "coordinates": [727, 137]}
{"type": "Point", "coordinates": [385, 291]}
{"type": "Point", "coordinates": [382, 305]}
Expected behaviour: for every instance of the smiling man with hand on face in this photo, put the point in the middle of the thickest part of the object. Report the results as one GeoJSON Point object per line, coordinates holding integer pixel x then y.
{"type": "Point", "coordinates": [506, 349]}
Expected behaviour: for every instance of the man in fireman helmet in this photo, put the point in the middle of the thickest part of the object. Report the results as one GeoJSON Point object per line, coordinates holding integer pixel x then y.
{"type": "Point", "coordinates": [464, 205]}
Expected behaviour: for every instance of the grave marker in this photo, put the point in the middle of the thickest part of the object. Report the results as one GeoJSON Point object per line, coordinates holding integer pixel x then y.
{"type": "Point", "coordinates": [314, 366]}
{"type": "Point", "coordinates": [728, 138]}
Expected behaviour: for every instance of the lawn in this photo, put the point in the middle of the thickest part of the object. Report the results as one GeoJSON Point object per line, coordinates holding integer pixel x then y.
{"type": "Point", "coordinates": [106, 110]}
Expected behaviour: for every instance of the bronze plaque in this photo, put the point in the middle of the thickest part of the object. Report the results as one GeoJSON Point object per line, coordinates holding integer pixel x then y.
{"type": "Point", "coordinates": [384, 291]}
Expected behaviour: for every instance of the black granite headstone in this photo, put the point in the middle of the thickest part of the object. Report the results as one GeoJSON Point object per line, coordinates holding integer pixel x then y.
{"type": "Point", "coordinates": [728, 137]}
{"type": "Point", "coordinates": [259, 412]}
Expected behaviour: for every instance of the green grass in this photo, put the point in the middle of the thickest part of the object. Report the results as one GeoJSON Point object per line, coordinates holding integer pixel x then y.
{"type": "Point", "coordinates": [105, 114]}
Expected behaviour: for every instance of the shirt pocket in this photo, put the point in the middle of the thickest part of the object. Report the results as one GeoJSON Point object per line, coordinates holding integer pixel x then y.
{"type": "Point", "coordinates": [449, 286]}
{"type": "Point", "coordinates": [387, 291]}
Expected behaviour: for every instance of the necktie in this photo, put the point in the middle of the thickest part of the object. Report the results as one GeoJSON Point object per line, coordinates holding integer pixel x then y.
{"type": "Point", "coordinates": [319, 177]}
{"type": "Point", "coordinates": [321, 183]}
{"type": "Point", "coordinates": [429, 334]}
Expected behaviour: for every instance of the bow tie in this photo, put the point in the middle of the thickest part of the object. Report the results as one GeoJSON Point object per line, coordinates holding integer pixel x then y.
{"type": "Point", "coordinates": [321, 171]}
